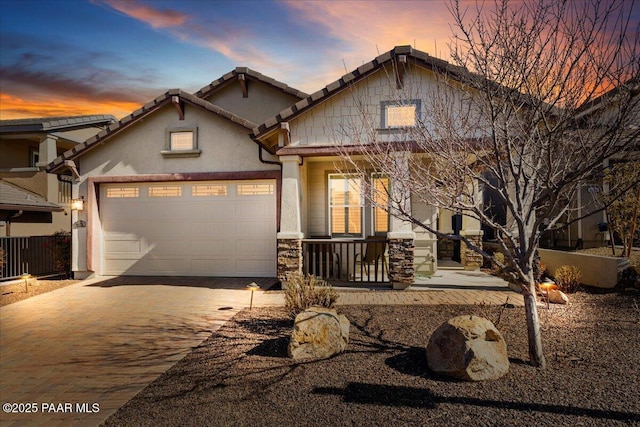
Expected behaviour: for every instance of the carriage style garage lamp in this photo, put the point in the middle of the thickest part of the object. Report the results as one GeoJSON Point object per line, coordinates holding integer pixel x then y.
{"type": "Point", "coordinates": [77, 204]}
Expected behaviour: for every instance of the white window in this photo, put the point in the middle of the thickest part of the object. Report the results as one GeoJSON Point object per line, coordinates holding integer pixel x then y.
{"type": "Point", "coordinates": [346, 205]}
{"type": "Point", "coordinates": [122, 192]}
{"type": "Point", "coordinates": [165, 191]}
{"type": "Point", "coordinates": [255, 189]}
{"type": "Point", "coordinates": [380, 197]}
{"type": "Point", "coordinates": [181, 142]}
{"type": "Point", "coordinates": [209, 190]}
{"type": "Point", "coordinates": [398, 114]}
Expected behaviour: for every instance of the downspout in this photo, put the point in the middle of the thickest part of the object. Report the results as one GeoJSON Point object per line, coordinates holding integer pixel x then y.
{"type": "Point", "coordinates": [15, 215]}
{"type": "Point", "coordinates": [279, 186]}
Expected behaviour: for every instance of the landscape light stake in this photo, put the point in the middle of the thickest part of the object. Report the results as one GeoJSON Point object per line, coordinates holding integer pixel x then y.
{"type": "Point", "coordinates": [26, 277]}
{"type": "Point", "coordinates": [252, 287]}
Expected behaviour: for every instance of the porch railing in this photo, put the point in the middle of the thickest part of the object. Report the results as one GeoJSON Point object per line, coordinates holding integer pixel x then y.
{"type": "Point", "coordinates": [347, 260]}
{"type": "Point", "coordinates": [35, 255]}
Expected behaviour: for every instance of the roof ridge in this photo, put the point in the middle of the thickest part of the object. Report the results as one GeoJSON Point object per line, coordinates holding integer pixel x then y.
{"type": "Point", "coordinates": [146, 109]}
{"type": "Point", "coordinates": [346, 80]}
{"type": "Point", "coordinates": [233, 74]}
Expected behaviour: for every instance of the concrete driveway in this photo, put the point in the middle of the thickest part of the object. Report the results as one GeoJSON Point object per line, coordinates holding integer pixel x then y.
{"type": "Point", "coordinates": [75, 355]}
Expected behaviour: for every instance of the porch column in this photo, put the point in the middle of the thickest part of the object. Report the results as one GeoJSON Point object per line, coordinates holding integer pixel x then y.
{"type": "Point", "coordinates": [290, 234]}
{"type": "Point", "coordinates": [471, 229]}
{"type": "Point", "coordinates": [47, 152]}
{"type": "Point", "coordinates": [401, 236]}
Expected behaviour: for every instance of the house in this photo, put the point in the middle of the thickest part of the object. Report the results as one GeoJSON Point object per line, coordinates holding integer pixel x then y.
{"type": "Point", "coordinates": [586, 221]}
{"type": "Point", "coordinates": [32, 201]}
{"type": "Point", "coordinates": [239, 179]}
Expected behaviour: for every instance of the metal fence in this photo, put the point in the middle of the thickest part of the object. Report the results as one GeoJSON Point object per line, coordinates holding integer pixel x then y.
{"type": "Point", "coordinates": [347, 260]}
{"type": "Point", "coordinates": [35, 255]}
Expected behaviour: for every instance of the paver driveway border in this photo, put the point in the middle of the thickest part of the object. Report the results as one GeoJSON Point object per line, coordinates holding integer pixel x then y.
{"type": "Point", "coordinates": [79, 353]}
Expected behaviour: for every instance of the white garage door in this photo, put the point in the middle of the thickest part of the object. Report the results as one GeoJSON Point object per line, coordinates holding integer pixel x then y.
{"type": "Point", "coordinates": [213, 228]}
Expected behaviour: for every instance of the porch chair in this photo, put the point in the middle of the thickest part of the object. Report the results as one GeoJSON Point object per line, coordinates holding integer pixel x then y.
{"type": "Point", "coordinates": [374, 255]}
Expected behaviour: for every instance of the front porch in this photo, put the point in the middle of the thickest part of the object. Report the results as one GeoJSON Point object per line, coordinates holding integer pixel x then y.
{"type": "Point", "coordinates": [330, 226]}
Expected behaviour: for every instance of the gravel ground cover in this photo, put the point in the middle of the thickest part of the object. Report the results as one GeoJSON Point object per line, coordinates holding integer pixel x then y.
{"type": "Point", "coordinates": [241, 375]}
{"type": "Point", "coordinates": [634, 259]}
{"type": "Point", "coordinates": [16, 291]}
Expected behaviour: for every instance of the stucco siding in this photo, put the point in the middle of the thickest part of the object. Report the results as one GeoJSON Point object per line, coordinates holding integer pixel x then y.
{"type": "Point", "coordinates": [262, 103]}
{"type": "Point", "coordinates": [317, 198]}
{"type": "Point", "coordinates": [225, 147]}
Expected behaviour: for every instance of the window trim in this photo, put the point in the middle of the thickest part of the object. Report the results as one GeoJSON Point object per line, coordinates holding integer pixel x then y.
{"type": "Point", "coordinates": [362, 207]}
{"type": "Point", "coordinates": [168, 152]}
{"type": "Point", "coordinates": [374, 176]}
{"type": "Point", "coordinates": [383, 113]}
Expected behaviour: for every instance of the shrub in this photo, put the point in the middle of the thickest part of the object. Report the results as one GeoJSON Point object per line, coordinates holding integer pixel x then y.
{"type": "Point", "coordinates": [568, 278]}
{"type": "Point", "coordinates": [304, 291]}
{"type": "Point", "coordinates": [2, 259]}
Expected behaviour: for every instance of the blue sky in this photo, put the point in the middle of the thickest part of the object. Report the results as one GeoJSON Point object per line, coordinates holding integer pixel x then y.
{"type": "Point", "coordinates": [70, 57]}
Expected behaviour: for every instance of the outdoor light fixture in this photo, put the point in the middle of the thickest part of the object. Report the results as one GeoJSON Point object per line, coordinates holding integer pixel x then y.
{"type": "Point", "coordinates": [26, 277]}
{"type": "Point", "coordinates": [253, 286]}
{"type": "Point", "coordinates": [77, 204]}
{"type": "Point", "coordinates": [546, 285]}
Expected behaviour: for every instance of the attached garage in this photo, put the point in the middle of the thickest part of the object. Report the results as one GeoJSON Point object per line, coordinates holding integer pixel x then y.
{"type": "Point", "coordinates": [194, 228]}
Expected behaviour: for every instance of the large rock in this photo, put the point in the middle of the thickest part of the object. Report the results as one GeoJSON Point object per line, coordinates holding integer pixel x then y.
{"type": "Point", "coordinates": [469, 348]}
{"type": "Point", "coordinates": [318, 333]}
{"type": "Point", "coordinates": [557, 297]}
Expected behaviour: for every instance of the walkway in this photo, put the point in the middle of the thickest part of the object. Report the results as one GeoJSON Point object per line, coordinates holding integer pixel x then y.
{"type": "Point", "coordinates": [81, 352]}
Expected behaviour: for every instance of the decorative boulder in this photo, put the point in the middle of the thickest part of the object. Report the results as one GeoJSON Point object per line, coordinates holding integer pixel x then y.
{"type": "Point", "coordinates": [557, 297]}
{"type": "Point", "coordinates": [468, 348]}
{"type": "Point", "coordinates": [318, 333]}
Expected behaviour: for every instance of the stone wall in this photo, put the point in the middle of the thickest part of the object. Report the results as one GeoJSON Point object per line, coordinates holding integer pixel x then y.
{"type": "Point", "coordinates": [401, 262]}
{"type": "Point", "coordinates": [289, 257]}
{"type": "Point", "coordinates": [469, 258]}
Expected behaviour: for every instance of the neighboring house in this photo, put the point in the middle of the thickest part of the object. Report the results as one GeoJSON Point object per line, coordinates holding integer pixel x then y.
{"type": "Point", "coordinates": [32, 201]}
{"type": "Point", "coordinates": [239, 178]}
{"type": "Point", "coordinates": [179, 187]}
{"type": "Point", "coordinates": [590, 230]}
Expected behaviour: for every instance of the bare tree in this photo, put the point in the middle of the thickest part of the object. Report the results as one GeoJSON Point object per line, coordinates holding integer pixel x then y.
{"type": "Point", "coordinates": [519, 112]}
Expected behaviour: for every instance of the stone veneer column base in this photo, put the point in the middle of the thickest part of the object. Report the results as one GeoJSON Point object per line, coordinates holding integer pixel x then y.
{"type": "Point", "coordinates": [401, 263]}
{"type": "Point", "coordinates": [289, 258]}
{"type": "Point", "coordinates": [470, 259]}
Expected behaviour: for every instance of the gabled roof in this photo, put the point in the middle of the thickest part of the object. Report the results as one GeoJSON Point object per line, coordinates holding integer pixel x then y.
{"type": "Point", "coordinates": [171, 96]}
{"type": "Point", "coordinates": [13, 197]}
{"type": "Point", "coordinates": [246, 73]}
{"type": "Point", "coordinates": [349, 79]}
{"type": "Point", "coordinates": [51, 124]}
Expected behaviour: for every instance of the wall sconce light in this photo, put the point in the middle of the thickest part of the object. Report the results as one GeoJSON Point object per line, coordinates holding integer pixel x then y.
{"type": "Point", "coordinates": [77, 204]}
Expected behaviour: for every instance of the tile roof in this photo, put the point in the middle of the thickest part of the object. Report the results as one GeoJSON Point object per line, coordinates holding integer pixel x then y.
{"type": "Point", "coordinates": [144, 111]}
{"type": "Point", "coordinates": [49, 124]}
{"type": "Point", "coordinates": [349, 79]}
{"type": "Point", "coordinates": [251, 74]}
{"type": "Point", "coordinates": [13, 197]}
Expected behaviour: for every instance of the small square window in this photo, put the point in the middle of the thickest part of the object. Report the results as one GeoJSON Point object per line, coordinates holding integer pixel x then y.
{"type": "Point", "coordinates": [181, 142]}
{"type": "Point", "coordinates": [399, 114]}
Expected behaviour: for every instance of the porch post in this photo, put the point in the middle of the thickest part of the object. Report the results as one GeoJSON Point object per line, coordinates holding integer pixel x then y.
{"type": "Point", "coordinates": [290, 234]}
{"type": "Point", "coordinates": [471, 229]}
{"type": "Point", "coordinates": [401, 236]}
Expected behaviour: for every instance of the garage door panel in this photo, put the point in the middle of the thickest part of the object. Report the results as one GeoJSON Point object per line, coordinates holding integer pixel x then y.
{"type": "Point", "coordinates": [222, 265]}
{"type": "Point", "coordinates": [211, 247]}
{"type": "Point", "coordinates": [121, 246]}
{"type": "Point", "coordinates": [252, 267]}
{"type": "Point", "coordinates": [212, 230]}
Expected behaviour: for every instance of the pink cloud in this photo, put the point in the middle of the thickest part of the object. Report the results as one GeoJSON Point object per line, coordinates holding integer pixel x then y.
{"type": "Point", "coordinates": [157, 18]}
{"type": "Point", "coordinates": [371, 28]}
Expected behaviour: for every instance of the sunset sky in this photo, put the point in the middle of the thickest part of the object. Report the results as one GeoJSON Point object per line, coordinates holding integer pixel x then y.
{"type": "Point", "coordinates": [72, 57]}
